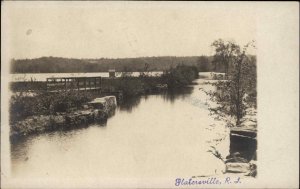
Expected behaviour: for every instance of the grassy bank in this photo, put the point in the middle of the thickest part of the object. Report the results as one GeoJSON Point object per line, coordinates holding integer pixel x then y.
{"type": "Point", "coordinates": [23, 106]}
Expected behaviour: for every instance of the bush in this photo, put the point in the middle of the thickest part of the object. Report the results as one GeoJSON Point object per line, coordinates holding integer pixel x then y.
{"type": "Point", "coordinates": [22, 106]}
{"type": "Point", "coordinates": [130, 86]}
{"type": "Point", "coordinates": [180, 76]}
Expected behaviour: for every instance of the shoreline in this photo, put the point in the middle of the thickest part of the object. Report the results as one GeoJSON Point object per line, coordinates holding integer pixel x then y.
{"type": "Point", "coordinates": [97, 110]}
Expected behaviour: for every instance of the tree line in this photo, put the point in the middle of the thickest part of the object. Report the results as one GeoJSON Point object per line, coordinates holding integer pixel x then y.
{"type": "Point", "coordinates": [71, 65]}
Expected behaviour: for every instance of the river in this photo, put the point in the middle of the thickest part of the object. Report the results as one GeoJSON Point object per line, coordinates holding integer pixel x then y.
{"type": "Point", "coordinates": [164, 135]}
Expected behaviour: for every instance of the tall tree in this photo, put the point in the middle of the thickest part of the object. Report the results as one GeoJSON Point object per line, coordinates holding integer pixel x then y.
{"type": "Point", "coordinates": [225, 51]}
{"type": "Point", "coordinates": [203, 64]}
{"type": "Point", "coordinates": [232, 95]}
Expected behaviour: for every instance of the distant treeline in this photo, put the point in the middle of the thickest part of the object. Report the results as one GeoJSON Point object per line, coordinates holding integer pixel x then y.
{"type": "Point", "coordinates": [70, 65]}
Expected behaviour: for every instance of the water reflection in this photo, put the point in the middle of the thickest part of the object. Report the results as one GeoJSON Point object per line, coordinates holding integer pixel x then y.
{"type": "Point", "coordinates": [157, 135]}
{"type": "Point", "coordinates": [19, 147]}
{"type": "Point", "coordinates": [21, 144]}
{"type": "Point", "coordinates": [129, 103]}
{"type": "Point", "coordinates": [172, 95]}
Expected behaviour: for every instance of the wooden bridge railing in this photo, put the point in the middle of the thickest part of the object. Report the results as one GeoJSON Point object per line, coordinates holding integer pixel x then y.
{"type": "Point", "coordinates": [73, 83]}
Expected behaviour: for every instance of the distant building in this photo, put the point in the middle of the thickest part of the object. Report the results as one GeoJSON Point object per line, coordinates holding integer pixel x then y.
{"type": "Point", "coordinates": [112, 72]}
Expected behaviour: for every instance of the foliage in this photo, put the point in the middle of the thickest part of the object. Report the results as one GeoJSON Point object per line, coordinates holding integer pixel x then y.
{"type": "Point", "coordinates": [129, 85]}
{"type": "Point", "coordinates": [216, 153]}
{"type": "Point", "coordinates": [175, 77]}
{"type": "Point", "coordinates": [180, 76]}
{"type": "Point", "coordinates": [22, 106]}
{"type": "Point", "coordinates": [225, 51]}
{"type": "Point", "coordinates": [204, 64]}
{"type": "Point", "coordinates": [27, 86]}
{"type": "Point", "coordinates": [46, 103]}
{"type": "Point", "coordinates": [71, 65]}
{"type": "Point", "coordinates": [234, 95]}
{"type": "Point", "coordinates": [145, 72]}
{"type": "Point", "coordinates": [251, 83]}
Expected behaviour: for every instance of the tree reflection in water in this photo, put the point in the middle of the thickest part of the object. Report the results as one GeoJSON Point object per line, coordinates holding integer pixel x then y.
{"type": "Point", "coordinates": [129, 103]}
{"type": "Point", "coordinates": [181, 93]}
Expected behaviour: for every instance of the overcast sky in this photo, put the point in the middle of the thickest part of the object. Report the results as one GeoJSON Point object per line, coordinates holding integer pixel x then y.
{"type": "Point", "coordinates": [124, 29]}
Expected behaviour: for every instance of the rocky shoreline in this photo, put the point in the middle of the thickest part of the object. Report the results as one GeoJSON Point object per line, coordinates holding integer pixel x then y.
{"type": "Point", "coordinates": [243, 147]}
{"type": "Point", "coordinates": [97, 110]}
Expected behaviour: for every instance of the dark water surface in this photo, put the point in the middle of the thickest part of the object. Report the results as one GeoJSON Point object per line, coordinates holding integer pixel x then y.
{"type": "Point", "coordinates": [154, 136]}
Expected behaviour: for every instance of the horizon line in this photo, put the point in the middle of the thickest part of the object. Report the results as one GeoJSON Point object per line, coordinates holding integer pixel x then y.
{"type": "Point", "coordinates": [118, 57]}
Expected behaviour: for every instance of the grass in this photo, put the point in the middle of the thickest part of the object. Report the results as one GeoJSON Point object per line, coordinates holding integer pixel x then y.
{"type": "Point", "coordinates": [22, 106]}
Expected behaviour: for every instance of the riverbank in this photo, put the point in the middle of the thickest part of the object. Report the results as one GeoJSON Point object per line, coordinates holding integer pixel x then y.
{"type": "Point", "coordinates": [241, 158]}
{"type": "Point", "coordinates": [97, 110]}
{"type": "Point", "coordinates": [243, 146]}
{"type": "Point", "coordinates": [45, 110]}
{"type": "Point", "coordinates": [77, 110]}
{"type": "Point", "coordinates": [126, 133]}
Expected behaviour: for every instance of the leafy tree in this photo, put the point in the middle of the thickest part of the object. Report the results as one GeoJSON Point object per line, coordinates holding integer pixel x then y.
{"type": "Point", "coordinates": [71, 65]}
{"type": "Point", "coordinates": [180, 76]}
{"type": "Point", "coordinates": [126, 72]}
{"type": "Point", "coordinates": [234, 95]}
{"type": "Point", "coordinates": [225, 51]}
{"type": "Point", "coordinates": [145, 72]}
{"type": "Point", "coordinates": [203, 64]}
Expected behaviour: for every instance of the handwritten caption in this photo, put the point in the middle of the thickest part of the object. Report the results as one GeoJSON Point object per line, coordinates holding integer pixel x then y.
{"type": "Point", "coordinates": [206, 181]}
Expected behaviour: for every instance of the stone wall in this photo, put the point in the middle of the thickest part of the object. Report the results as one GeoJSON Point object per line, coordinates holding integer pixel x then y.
{"type": "Point", "coordinates": [243, 147]}
{"type": "Point", "coordinates": [97, 110]}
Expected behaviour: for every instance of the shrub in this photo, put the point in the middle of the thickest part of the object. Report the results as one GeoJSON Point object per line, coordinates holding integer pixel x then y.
{"type": "Point", "coordinates": [22, 106]}
{"type": "Point", "coordinates": [180, 76]}
{"type": "Point", "coordinates": [130, 86]}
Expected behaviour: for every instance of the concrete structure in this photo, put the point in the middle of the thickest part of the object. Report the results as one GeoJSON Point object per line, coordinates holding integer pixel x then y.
{"type": "Point", "coordinates": [106, 103]}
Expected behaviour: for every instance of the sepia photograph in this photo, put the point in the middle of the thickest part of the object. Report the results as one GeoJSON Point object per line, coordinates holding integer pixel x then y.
{"type": "Point", "coordinates": [141, 94]}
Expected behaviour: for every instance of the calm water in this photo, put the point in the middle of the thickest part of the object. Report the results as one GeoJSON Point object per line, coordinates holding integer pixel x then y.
{"type": "Point", "coordinates": [157, 136]}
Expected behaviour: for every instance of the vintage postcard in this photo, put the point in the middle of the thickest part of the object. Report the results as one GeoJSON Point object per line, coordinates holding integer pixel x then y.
{"type": "Point", "coordinates": [132, 94]}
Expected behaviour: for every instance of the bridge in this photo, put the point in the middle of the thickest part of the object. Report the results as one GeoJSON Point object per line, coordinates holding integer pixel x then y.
{"type": "Point", "coordinates": [57, 84]}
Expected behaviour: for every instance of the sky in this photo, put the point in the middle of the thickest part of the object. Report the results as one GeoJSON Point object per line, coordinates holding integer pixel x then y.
{"type": "Point", "coordinates": [123, 29]}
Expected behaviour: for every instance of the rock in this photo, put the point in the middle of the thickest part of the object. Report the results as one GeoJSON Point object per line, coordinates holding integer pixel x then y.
{"type": "Point", "coordinates": [85, 106]}
{"type": "Point", "coordinates": [238, 167]}
{"type": "Point", "coordinates": [253, 169]}
{"type": "Point", "coordinates": [236, 157]}
{"type": "Point", "coordinates": [237, 160]}
{"type": "Point", "coordinates": [59, 119]}
{"type": "Point", "coordinates": [106, 104]}
{"type": "Point", "coordinates": [37, 124]}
